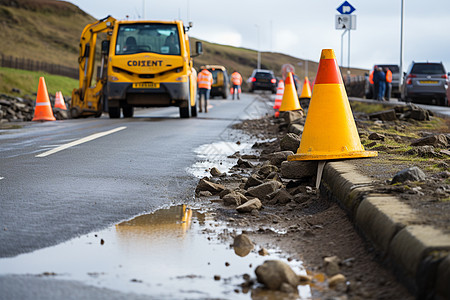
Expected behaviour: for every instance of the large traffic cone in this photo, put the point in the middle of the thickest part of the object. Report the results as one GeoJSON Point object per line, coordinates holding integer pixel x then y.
{"type": "Point", "coordinates": [290, 98]}
{"type": "Point", "coordinates": [330, 130]}
{"type": "Point", "coordinates": [306, 90]}
{"type": "Point", "coordinates": [43, 109]}
{"type": "Point", "coordinates": [59, 101]}
{"type": "Point", "coordinates": [279, 95]}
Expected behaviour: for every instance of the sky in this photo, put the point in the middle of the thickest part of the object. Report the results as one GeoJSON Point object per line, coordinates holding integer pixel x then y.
{"type": "Point", "coordinates": [302, 28]}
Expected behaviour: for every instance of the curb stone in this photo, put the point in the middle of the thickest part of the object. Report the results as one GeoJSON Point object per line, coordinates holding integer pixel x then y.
{"type": "Point", "coordinates": [419, 254]}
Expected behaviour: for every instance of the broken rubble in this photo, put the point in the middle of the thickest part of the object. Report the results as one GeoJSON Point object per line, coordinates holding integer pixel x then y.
{"type": "Point", "coordinates": [262, 190]}
{"type": "Point", "coordinates": [290, 142]}
{"type": "Point", "coordinates": [274, 273]}
{"type": "Point", "coordinates": [249, 206]}
{"type": "Point", "coordinates": [234, 198]}
{"type": "Point", "coordinates": [278, 157]}
{"type": "Point", "coordinates": [242, 245]}
{"type": "Point", "coordinates": [411, 174]}
{"type": "Point", "coordinates": [205, 185]}
{"type": "Point", "coordinates": [298, 169]}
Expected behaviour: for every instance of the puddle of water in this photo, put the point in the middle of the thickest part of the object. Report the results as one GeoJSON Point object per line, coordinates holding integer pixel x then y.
{"type": "Point", "coordinates": [215, 155]}
{"type": "Point", "coordinates": [166, 254]}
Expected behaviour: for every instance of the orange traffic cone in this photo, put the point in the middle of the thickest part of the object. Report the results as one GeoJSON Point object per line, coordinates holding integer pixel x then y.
{"type": "Point", "coordinates": [59, 101]}
{"type": "Point", "coordinates": [279, 95]}
{"type": "Point", "coordinates": [306, 90]}
{"type": "Point", "coordinates": [43, 109]}
{"type": "Point", "coordinates": [330, 130]}
{"type": "Point", "coordinates": [290, 98]}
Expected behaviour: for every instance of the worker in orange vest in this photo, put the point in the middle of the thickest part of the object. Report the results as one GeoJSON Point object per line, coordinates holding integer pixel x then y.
{"type": "Point", "coordinates": [204, 81]}
{"type": "Point", "coordinates": [388, 83]}
{"type": "Point", "coordinates": [236, 80]}
{"type": "Point", "coordinates": [373, 85]}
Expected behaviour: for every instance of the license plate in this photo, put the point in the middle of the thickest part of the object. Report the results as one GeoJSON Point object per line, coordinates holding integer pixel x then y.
{"type": "Point", "coordinates": [428, 81]}
{"type": "Point", "coordinates": [146, 85]}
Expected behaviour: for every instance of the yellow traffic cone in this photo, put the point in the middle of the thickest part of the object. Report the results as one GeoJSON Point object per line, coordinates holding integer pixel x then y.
{"type": "Point", "coordinates": [306, 90]}
{"type": "Point", "coordinates": [43, 109]}
{"type": "Point", "coordinates": [330, 130]}
{"type": "Point", "coordinates": [290, 98]}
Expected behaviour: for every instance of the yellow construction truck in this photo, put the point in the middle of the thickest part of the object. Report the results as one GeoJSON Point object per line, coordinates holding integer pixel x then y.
{"type": "Point", "coordinates": [142, 64]}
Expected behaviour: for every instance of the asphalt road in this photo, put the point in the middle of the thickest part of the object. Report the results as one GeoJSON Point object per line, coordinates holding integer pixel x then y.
{"type": "Point", "coordinates": [138, 166]}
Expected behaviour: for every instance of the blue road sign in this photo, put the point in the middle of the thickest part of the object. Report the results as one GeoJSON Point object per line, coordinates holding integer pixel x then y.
{"type": "Point", "coordinates": [346, 8]}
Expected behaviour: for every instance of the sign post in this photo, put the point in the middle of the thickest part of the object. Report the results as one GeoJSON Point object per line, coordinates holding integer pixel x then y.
{"type": "Point", "coordinates": [347, 22]}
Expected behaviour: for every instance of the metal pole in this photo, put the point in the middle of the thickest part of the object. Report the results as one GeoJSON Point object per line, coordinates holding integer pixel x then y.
{"type": "Point", "coordinates": [342, 47]}
{"type": "Point", "coordinates": [401, 41]}
{"type": "Point", "coordinates": [259, 53]}
{"type": "Point", "coordinates": [348, 65]}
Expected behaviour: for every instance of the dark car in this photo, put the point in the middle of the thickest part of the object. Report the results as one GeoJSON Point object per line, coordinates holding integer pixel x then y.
{"type": "Point", "coordinates": [425, 82]}
{"type": "Point", "coordinates": [263, 80]}
{"type": "Point", "coordinates": [221, 81]}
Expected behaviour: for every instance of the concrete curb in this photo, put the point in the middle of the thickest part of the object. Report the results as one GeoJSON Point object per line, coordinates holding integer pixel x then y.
{"type": "Point", "coordinates": [418, 254]}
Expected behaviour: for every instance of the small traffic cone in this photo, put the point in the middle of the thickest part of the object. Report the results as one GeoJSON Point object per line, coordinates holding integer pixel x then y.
{"type": "Point", "coordinates": [59, 101]}
{"type": "Point", "coordinates": [43, 109]}
{"type": "Point", "coordinates": [330, 130]}
{"type": "Point", "coordinates": [306, 90]}
{"type": "Point", "coordinates": [290, 98]}
{"type": "Point", "coordinates": [279, 95]}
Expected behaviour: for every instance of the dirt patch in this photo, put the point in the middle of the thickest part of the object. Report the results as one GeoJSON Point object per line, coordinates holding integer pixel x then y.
{"type": "Point", "coordinates": [309, 227]}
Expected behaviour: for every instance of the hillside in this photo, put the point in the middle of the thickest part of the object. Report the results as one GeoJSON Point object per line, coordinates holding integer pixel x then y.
{"type": "Point", "coordinates": [49, 31]}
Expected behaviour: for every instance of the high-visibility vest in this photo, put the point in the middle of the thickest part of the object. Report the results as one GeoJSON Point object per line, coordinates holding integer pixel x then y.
{"type": "Point", "coordinates": [388, 76]}
{"type": "Point", "coordinates": [371, 78]}
{"type": "Point", "coordinates": [236, 78]}
{"type": "Point", "coordinates": [205, 79]}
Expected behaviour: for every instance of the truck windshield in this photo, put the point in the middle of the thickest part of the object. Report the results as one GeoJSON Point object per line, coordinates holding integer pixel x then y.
{"type": "Point", "coordinates": [156, 38]}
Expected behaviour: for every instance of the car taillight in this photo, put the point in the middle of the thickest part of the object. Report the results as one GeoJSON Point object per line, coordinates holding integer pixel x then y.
{"type": "Point", "coordinates": [408, 78]}
{"type": "Point", "coordinates": [253, 79]}
{"type": "Point", "coordinates": [273, 80]}
{"type": "Point", "coordinates": [444, 76]}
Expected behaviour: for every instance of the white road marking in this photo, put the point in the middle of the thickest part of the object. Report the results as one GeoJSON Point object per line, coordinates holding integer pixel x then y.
{"type": "Point", "coordinates": [80, 141]}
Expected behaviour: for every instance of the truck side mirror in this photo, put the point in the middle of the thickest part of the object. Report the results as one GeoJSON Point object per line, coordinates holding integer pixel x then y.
{"type": "Point", "coordinates": [199, 48]}
{"type": "Point", "coordinates": [105, 47]}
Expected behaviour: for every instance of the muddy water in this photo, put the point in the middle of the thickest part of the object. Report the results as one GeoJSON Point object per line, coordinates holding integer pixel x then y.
{"type": "Point", "coordinates": [174, 253]}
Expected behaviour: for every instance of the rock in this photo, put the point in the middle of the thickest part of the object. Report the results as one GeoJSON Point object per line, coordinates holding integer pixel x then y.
{"type": "Point", "coordinates": [249, 206]}
{"type": "Point", "coordinates": [263, 252]}
{"type": "Point", "coordinates": [376, 137]}
{"type": "Point", "coordinates": [439, 140]}
{"type": "Point", "coordinates": [215, 172]}
{"type": "Point", "coordinates": [298, 169]}
{"type": "Point", "coordinates": [234, 198]}
{"type": "Point", "coordinates": [244, 164]}
{"type": "Point", "coordinates": [336, 281]}
{"type": "Point", "coordinates": [331, 265]}
{"type": "Point", "coordinates": [301, 198]}
{"type": "Point", "coordinates": [387, 115]}
{"type": "Point", "coordinates": [262, 190]}
{"type": "Point", "coordinates": [205, 194]}
{"type": "Point", "coordinates": [444, 152]}
{"type": "Point", "coordinates": [419, 114]}
{"type": "Point", "coordinates": [278, 157]}
{"type": "Point", "coordinates": [281, 197]}
{"type": "Point", "coordinates": [242, 245]}
{"type": "Point", "coordinates": [296, 129]}
{"type": "Point", "coordinates": [205, 185]}
{"type": "Point", "coordinates": [411, 174]}
{"type": "Point", "coordinates": [290, 142]}
{"type": "Point", "coordinates": [423, 151]}
{"type": "Point", "coordinates": [253, 180]}
{"type": "Point", "coordinates": [292, 116]}
{"type": "Point", "coordinates": [224, 192]}
{"type": "Point", "coordinates": [266, 170]}
{"type": "Point", "coordinates": [273, 273]}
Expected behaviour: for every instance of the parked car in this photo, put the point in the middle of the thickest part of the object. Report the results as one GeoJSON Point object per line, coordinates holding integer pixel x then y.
{"type": "Point", "coordinates": [395, 92]}
{"type": "Point", "coordinates": [425, 82]}
{"type": "Point", "coordinates": [221, 81]}
{"type": "Point", "coordinates": [263, 80]}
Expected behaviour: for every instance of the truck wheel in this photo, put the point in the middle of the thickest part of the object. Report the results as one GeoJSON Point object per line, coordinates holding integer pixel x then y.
{"type": "Point", "coordinates": [194, 110]}
{"type": "Point", "coordinates": [185, 111]}
{"type": "Point", "coordinates": [127, 110]}
{"type": "Point", "coordinates": [114, 112]}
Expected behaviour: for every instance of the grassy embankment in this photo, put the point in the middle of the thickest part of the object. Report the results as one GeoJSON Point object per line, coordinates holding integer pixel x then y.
{"type": "Point", "coordinates": [27, 82]}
